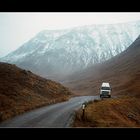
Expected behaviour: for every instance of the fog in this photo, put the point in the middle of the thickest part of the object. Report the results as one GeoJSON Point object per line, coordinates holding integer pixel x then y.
{"type": "Point", "coordinates": [18, 28]}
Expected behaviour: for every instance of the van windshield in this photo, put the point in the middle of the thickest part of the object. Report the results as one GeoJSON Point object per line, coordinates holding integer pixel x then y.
{"type": "Point", "coordinates": [105, 88]}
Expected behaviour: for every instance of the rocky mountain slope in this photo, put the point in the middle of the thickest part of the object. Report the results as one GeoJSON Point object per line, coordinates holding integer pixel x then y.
{"type": "Point", "coordinates": [58, 53]}
{"type": "Point", "coordinates": [122, 72]}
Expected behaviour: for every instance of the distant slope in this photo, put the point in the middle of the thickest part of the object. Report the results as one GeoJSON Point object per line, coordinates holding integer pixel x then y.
{"type": "Point", "coordinates": [21, 90]}
{"type": "Point", "coordinates": [57, 53]}
{"type": "Point", "coordinates": [122, 71]}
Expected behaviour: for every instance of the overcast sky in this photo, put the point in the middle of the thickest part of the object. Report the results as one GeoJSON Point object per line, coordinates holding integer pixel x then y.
{"type": "Point", "coordinates": [17, 28]}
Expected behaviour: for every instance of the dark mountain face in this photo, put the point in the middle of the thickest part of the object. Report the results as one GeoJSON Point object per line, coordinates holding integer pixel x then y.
{"type": "Point", "coordinates": [122, 72]}
{"type": "Point", "coordinates": [56, 54]}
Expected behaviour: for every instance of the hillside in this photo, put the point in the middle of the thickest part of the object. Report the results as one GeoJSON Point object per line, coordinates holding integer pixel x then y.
{"type": "Point", "coordinates": [122, 72]}
{"type": "Point", "coordinates": [118, 112]}
{"type": "Point", "coordinates": [21, 90]}
{"type": "Point", "coordinates": [57, 53]}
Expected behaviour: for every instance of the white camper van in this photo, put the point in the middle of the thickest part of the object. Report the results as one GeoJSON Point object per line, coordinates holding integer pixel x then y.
{"type": "Point", "coordinates": [105, 90]}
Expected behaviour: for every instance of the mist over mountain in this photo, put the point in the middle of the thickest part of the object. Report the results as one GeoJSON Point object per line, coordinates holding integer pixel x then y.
{"type": "Point", "coordinates": [121, 71]}
{"type": "Point", "coordinates": [58, 53]}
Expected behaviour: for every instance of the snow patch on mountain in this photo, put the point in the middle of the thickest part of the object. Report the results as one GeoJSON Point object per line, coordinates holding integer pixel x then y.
{"type": "Point", "coordinates": [57, 52]}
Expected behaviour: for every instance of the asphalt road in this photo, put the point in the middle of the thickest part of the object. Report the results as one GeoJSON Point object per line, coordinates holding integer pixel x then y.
{"type": "Point", "coordinates": [57, 115]}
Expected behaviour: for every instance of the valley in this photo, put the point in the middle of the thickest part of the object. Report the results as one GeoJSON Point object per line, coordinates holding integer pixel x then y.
{"type": "Point", "coordinates": [45, 81]}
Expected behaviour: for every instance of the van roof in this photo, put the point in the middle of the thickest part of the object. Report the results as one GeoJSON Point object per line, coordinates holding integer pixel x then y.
{"type": "Point", "coordinates": [105, 85]}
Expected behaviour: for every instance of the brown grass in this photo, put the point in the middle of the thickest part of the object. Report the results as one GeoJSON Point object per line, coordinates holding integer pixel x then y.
{"type": "Point", "coordinates": [118, 112]}
{"type": "Point", "coordinates": [121, 71]}
{"type": "Point", "coordinates": [21, 90]}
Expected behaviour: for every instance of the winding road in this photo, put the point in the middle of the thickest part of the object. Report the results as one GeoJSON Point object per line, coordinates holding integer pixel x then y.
{"type": "Point", "coordinates": [57, 115]}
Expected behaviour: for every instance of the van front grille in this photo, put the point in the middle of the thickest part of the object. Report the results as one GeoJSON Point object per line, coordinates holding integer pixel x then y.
{"type": "Point", "coordinates": [105, 93]}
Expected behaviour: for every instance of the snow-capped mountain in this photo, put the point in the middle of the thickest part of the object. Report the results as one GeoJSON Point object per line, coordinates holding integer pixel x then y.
{"type": "Point", "coordinates": [54, 53]}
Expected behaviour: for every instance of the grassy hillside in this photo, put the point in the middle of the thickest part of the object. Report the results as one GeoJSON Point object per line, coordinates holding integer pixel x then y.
{"type": "Point", "coordinates": [21, 90]}
{"type": "Point", "coordinates": [123, 74]}
{"type": "Point", "coordinates": [118, 112]}
{"type": "Point", "coordinates": [123, 111]}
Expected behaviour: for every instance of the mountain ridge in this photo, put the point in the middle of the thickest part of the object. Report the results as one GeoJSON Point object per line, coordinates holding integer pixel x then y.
{"type": "Point", "coordinates": [56, 54]}
{"type": "Point", "coordinates": [122, 71]}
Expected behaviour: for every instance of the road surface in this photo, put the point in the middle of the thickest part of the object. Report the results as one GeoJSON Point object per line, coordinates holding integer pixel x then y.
{"type": "Point", "coordinates": [57, 115]}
